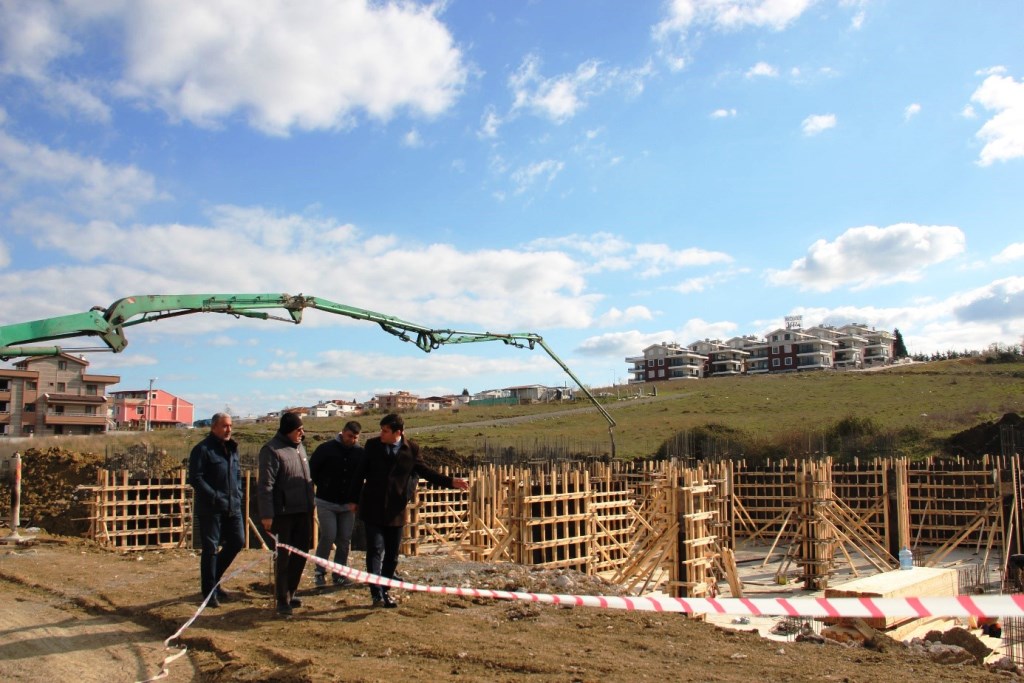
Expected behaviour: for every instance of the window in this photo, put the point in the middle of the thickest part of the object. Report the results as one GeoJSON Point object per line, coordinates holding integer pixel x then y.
{"type": "Point", "coordinates": [650, 363]}
{"type": "Point", "coordinates": [90, 410]}
{"type": "Point", "coordinates": [789, 361]}
{"type": "Point", "coordinates": [30, 386]}
{"type": "Point", "coordinates": [140, 410]}
{"type": "Point", "coordinates": [30, 407]}
{"type": "Point", "coordinates": [775, 362]}
{"type": "Point", "coordinates": [90, 389]}
{"type": "Point", "coordinates": [62, 386]}
{"type": "Point", "coordinates": [661, 361]}
{"type": "Point", "coordinates": [661, 373]}
{"type": "Point", "coordinates": [62, 365]}
{"type": "Point", "coordinates": [775, 350]}
{"type": "Point", "coordinates": [58, 410]}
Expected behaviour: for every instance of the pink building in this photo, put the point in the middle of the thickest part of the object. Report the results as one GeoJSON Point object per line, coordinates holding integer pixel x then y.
{"type": "Point", "coordinates": [131, 408]}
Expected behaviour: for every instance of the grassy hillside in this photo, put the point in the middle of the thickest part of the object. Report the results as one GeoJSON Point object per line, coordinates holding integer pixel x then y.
{"type": "Point", "coordinates": [916, 405]}
{"type": "Point", "coordinates": [906, 409]}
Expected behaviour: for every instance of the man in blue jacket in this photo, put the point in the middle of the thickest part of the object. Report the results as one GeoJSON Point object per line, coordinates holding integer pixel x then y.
{"type": "Point", "coordinates": [214, 473]}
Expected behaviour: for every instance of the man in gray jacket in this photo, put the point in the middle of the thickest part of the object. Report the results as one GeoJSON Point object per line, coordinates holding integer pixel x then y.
{"type": "Point", "coordinates": [286, 505]}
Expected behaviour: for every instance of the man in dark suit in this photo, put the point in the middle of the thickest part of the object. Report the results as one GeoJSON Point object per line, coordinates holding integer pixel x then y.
{"type": "Point", "coordinates": [391, 467]}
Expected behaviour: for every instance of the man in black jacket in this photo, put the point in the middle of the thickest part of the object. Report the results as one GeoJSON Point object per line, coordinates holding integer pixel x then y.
{"type": "Point", "coordinates": [391, 468]}
{"type": "Point", "coordinates": [214, 473]}
{"type": "Point", "coordinates": [286, 505]}
{"type": "Point", "coordinates": [333, 467]}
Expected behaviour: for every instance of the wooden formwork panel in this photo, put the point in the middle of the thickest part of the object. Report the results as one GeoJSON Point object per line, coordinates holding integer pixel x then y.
{"type": "Point", "coordinates": [437, 520]}
{"type": "Point", "coordinates": [146, 514]}
{"type": "Point", "coordinates": [615, 524]}
{"type": "Point", "coordinates": [554, 523]}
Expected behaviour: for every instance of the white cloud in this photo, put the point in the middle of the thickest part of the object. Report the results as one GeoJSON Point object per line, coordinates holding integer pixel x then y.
{"type": "Point", "coordinates": [608, 252]}
{"type": "Point", "coordinates": [438, 366]}
{"type": "Point", "coordinates": [527, 176]}
{"type": "Point", "coordinates": [559, 98]}
{"type": "Point", "coordinates": [911, 111]}
{"type": "Point", "coordinates": [870, 256]}
{"type": "Point", "coordinates": [723, 113]}
{"type": "Point", "coordinates": [82, 184]}
{"type": "Point", "coordinates": [705, 282]}
{"type": "Point", "coordinates": [1013, 252]}
{"type": "Point", "coordinates": [654, 259]}
{"type": "Point", "coordinates": [435, 282]}
{"type": "Point", "coordinates": [1003, 134]}
{"type": "Point", "coordinates": [684, 17]}
{"type": "Point", "coordinates": [1000, 302]}
{"type": "Point", "coordinates": [489, 126]}
{"type": "Point", "coordinates": [762, 69]}
{"type": "Point", "coordinates": [619, 345]}
{"type": "Point", "coordinates": [818, 123]}
{"type": "Point", "coordinates": [310, 65]}
{"type": "Point", "coordinates": [614, 316]}
{"type": "Point", "coordinates": [412, 139]}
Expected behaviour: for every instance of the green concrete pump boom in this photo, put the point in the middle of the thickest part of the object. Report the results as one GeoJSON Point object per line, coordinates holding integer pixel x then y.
{"type": "Point", "coordinates": [108, 324]}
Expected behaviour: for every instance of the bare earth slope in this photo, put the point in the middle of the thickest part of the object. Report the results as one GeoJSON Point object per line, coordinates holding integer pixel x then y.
{"type": "Point", "coordinates": [74, 612]}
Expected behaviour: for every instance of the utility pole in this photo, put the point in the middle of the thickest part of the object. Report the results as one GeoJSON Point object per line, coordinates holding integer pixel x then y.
{"type": "Point", "coordinates": [149, 400]}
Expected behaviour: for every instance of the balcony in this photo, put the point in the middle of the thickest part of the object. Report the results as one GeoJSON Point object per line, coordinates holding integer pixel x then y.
{"type": "Point", "coordinates": [55, 419]}
{"type": "Point", "coordinates": [74, 399]}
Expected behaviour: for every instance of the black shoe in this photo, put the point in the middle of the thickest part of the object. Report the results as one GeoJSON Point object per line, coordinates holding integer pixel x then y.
{"type": "Point", "coordinates": [224, 596]}
{"type": "Point", "coordinates": [213, 601]}
{"type": "Point", "coordinates": [284, 609]}
{"type": "Point", "coordinates": [295, 602]}
{"type": "Point", "coordinates": [388, 602]}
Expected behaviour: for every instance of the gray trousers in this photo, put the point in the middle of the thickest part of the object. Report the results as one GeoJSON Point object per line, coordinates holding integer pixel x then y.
{"type": "Point", "coordinates": [336, 526]}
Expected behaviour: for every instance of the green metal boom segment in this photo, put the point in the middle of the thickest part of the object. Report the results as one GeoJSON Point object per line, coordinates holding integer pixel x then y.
{"type": "Point", "coordinates": [108, 324]}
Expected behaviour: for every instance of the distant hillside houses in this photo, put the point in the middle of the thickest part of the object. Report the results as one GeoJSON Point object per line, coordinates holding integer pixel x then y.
{"type": "Point", "coordinates": [788, 349]}
{"type": "Point", "coordinates": [406, 402]}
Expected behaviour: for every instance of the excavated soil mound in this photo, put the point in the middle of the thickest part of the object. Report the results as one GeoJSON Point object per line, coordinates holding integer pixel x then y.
{"type": "Point", "coordinates": [986, 438]}
{"type": "Point", "coordinates": [49, 489]}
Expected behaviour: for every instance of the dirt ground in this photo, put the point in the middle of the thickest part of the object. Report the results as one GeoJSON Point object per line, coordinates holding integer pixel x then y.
{"type": "Point", "coordinates": [74, 611]}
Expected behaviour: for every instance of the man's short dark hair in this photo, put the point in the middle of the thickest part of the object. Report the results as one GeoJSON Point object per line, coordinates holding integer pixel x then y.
{"type": "Point", "coordinates": [352, 426]}
{"type": "Point", "coordinates": [394, 422]}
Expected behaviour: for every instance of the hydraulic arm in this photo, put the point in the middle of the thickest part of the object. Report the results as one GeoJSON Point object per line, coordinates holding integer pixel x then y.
{"type": "Point", "coordinates": [109, 323]}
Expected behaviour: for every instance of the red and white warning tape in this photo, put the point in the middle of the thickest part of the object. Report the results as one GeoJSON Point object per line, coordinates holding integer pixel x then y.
{"type": "Point", "coordinates": [961, 606]}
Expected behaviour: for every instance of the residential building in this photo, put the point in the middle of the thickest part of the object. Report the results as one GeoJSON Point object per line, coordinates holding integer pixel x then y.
{"type": "Point", "coordinates": [53, 395]}
{"type": "Point", "coordinates": [878, 344]}
{"type": "Point", "coordinates": [788, 349]}
{"type": "Point", "coordinates": [396, 402]}
{"type": "Point", "coordinates": [666, 361]}
{"type": "Point", "coordinates": [721, 358]}
{"type": "Point", "coordinates": [156, 408]}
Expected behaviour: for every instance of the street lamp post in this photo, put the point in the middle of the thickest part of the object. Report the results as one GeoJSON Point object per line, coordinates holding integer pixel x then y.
{"type": "Point", "coordinates": [149, 400]}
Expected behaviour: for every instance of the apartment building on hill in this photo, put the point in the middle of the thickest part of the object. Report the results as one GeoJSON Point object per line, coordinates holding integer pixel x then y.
{"type": "Point", "coordinates": [787, 349]}
{"type": "Point", "coordinates": [53, 395]}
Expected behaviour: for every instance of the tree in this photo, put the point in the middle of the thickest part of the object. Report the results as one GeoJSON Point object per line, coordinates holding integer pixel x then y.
{"type": "Point", "coordinates": [899, 349]}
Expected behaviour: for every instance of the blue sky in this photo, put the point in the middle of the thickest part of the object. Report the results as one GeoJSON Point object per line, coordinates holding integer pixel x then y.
{"type": "Point", "coordinates": [606, 174]}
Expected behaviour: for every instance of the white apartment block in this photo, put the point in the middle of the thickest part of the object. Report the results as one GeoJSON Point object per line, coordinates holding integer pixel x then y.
{"type": "Point", "coordinates": [788, 349]}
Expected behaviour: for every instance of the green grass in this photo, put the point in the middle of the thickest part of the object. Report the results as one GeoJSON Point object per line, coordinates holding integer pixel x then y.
{"type": "Point", "coordinates": [914, 407]}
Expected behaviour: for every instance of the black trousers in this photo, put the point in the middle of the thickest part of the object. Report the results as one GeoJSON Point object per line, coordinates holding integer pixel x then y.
{"type": "Point", "coordinates": [295, 530]}
{"type": "Point", "coordinates": [221, 536]}
{"type": "Point", "coordinates": [382, 545]}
